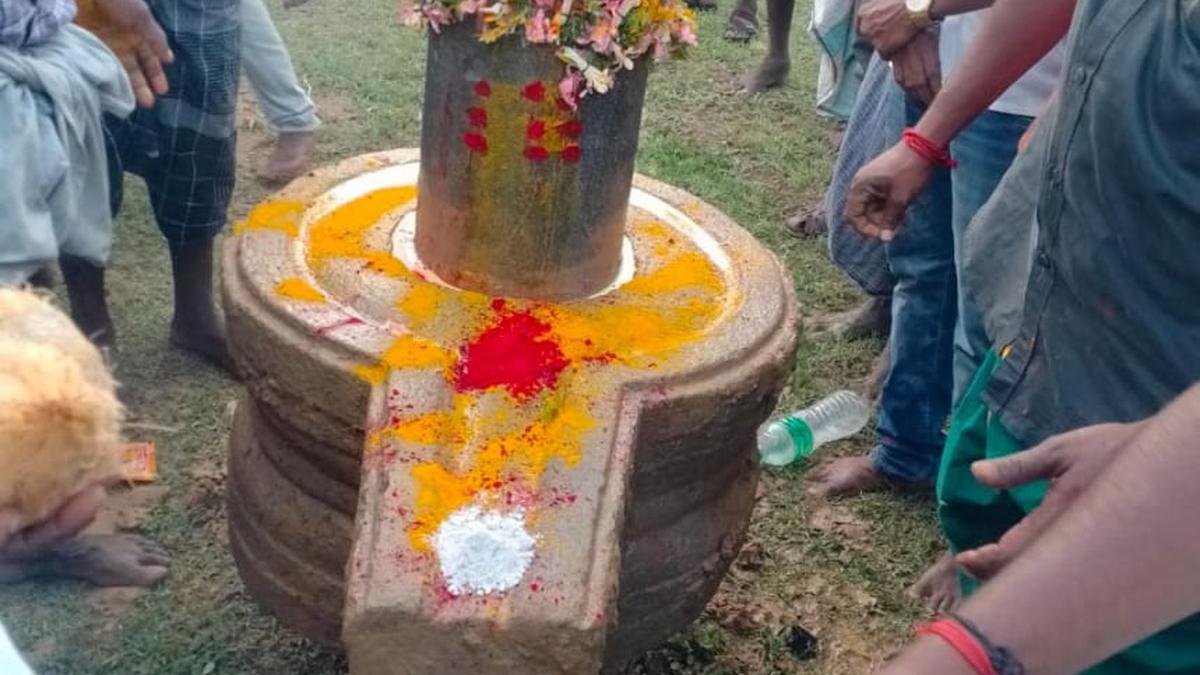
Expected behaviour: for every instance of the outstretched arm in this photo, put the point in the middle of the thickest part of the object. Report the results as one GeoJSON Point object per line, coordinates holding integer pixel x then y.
{"type": "Point", "coordinates": [1015, 36]}
{"type": "Point", "coordinates": [1116, 565]}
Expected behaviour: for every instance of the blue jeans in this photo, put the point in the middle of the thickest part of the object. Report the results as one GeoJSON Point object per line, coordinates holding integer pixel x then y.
{"type": "Point", "coordinates": [937, 340]}
{"type": "Point", "coordinates": [284, 103]}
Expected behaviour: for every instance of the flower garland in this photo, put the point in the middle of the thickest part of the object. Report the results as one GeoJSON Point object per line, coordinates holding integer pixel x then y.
{"type": "Point", "coordinates": [596, 38]}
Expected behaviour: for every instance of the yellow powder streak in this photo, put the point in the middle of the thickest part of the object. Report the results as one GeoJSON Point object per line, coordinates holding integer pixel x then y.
{"type": "Point", "coordinates": [523, 455]}
{"type": "Point", "coordinates": [408, 351]}
{"type": "Point", "coordinates": [340, 234]}
{"type": "Point", "coordinates": [295, 288]}
{"type": "Point", "coordinates": [422, 302]}
{"type": "Point", "coordinates": [283, 216]}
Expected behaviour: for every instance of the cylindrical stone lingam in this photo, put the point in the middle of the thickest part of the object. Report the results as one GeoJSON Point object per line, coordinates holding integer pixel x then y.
{"type": "Point", "coordinates": [461, 479]}
{"type": "Point", "coordinates": [522, 195]}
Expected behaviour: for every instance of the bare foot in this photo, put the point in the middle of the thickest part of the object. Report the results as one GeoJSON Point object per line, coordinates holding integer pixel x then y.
{"type": "Point", "coordinates": [741, 28]}
{"type": "Point", "coordinates": [204, 340]}
{"type": "Point", "coordinates": [871, 319]}
{"type": "Point", "coordinates": [771, 74]}
{"type": "Point", "coordinates": [849, 476]}
{"type": "Point", "coordinates": [938, 586]}
{"type": "Point", "coordinates": [290, 158]}
{"type": "Point", "coordinates": [806, 222]}
{"type": "Point", "coordinates": [101, 559]}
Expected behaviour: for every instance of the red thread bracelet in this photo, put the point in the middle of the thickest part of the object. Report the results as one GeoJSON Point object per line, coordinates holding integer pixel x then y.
{"type": "Point", "coordinates": [963, 642]}
{"type": "Point", "coordinates": [928, 150]}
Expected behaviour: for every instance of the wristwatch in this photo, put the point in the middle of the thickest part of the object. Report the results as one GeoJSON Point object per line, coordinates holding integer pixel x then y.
{"type": "Point", "coordinates": [919, 12]}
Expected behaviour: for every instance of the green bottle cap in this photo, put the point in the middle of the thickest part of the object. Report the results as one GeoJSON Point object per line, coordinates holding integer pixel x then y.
{"type": "Point", "coordinates": [801, 433]}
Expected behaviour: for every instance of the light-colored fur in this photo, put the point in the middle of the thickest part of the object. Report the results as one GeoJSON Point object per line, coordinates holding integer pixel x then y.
{"type": "Point", "coordinates": [60, 420]}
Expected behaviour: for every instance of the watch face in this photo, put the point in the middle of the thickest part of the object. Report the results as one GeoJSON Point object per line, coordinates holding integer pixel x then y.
{"type": "Point", "coordinates": [919, 6]}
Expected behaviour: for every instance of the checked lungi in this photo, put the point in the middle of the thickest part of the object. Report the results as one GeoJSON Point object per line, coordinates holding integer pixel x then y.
{"type": "Point", "coordinates": [183, 147]}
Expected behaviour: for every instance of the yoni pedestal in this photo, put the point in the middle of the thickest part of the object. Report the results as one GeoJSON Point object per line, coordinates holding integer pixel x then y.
{"type": "Point", "coordinates": [544, 485]}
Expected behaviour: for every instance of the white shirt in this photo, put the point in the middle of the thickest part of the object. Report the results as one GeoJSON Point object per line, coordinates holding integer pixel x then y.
{"type": "Point", "coordinates": [11, 662]}
{"type": "Point", "coordinates": [1029, 95]}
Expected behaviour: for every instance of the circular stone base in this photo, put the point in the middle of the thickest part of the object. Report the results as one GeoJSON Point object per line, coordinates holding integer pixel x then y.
{"type": "Point", "coordinates": [613, 435]}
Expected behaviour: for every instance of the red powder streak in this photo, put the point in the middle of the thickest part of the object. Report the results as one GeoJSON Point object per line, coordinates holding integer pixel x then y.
{"type": "Point", "coordinates": [571, 128]}
{"type": "Point", "coordinates": [442, 594]}
{"type": "Point", "coordinates": [515, 353]}
{"type": "Point", "coordinates": [534, 91]}
{"type": "Point", "coordinates": [477, 117]}
{"type": "Point", "coordinates": [483, 88]}
{"type": "Point", "coordinates": [536, 153]}
{"type": "Point", "coordinates": [535, 130]}
{"type": "Point", "coordinates": [348, 321]}
{"type": "Point", "coordinates": [476, 143]}
{"type": "Point", "coordinates": [571, 154]}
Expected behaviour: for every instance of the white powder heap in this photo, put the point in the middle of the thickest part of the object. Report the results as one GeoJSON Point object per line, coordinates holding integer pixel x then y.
{"type": "Point", "coordinates": [483, 552]}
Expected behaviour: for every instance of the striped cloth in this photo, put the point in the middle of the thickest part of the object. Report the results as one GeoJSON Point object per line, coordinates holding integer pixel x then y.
{"type": "Point", "coordinates": [184, 146]}
{"type": "Point", "coordinates": [25, 23]}
{"type": "Point", "coordinates": [875, 125]}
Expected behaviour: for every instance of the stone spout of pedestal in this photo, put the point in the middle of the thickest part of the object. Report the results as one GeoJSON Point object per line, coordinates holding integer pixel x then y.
{"type": "Point", "coordinates": [465, 464]}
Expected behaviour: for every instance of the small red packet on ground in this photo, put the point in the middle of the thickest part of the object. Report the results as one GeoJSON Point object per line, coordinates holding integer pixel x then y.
{"type": "Point", "coordinates": [138, 462]}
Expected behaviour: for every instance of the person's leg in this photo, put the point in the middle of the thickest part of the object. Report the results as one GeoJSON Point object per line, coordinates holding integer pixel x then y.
{"type": "Point", "coordinates": [984, 150]}
{"type": "Point", "coordinates": [84, 279]}
{"type": "Point", "coordinates": [287, 107]}
{"type": "Point", "coordinates": [774, 69]}
{"type": "Point", "coordinates": [915, 401]}
{"type": "Point", "coordinates": [743, 21]}
{"type": "Point", "coordinates": [197, 326]}
{"type": "Point", "coordinates": [191, 173]}
{"type": "Point", "coordinates": [968, 512]}
{"type": "Point", "coordinates": [870, 319]}
{"type": "Point", "coordinates": [89, 308]}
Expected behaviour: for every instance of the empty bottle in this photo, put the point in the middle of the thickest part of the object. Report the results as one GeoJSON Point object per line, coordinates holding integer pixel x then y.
{"type": "Point", "coordinates": [788, 438]}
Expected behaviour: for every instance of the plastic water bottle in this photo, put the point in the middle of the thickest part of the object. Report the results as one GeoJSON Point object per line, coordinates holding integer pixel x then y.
{"type": "Point", "coordinates": [788, 438]}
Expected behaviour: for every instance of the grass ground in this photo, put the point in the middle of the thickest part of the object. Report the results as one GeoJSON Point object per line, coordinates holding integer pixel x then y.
{"type": "Point", "coordinates": [839, 570]}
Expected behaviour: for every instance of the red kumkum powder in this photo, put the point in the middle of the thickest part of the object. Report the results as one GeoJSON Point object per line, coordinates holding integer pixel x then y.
{"type": "Point", "coordinates": [477, 117]}
{"type": "Point", "coordinates": [515, 353]}
{"type": "Point", "coordinates": [535, 130]}
{"type": "Point", "coordinates": [571, 128]}
{"type": "Point", "coordinates": [476, 143]}
{"type": "Point", "coordinates": [571, 154]}
{"type": "Point", "coordinates": [536, 153]}
{"type": "Point", "coordinates": [534, 91]}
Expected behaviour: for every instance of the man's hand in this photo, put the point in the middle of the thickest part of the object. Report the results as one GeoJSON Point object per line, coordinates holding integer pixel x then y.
{"type": "Point", "coordinates": [1070, 461]}
{"type": "Point", "coordinates": [918, 67]}
{"type": "Point", "coordinates": [882, 190]}
{"type": "Point", "coordinates": [887, 25]}
{"type": "Point", "coordinates": [69, 520]}
{"type": "Point", "coordinates": [129, 29]}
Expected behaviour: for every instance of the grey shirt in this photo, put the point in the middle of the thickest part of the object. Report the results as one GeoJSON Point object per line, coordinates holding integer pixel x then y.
{"type": "Point", "coordinates": [25, 23]}
{"type": "Point", "coordinates": [1109, 329]}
